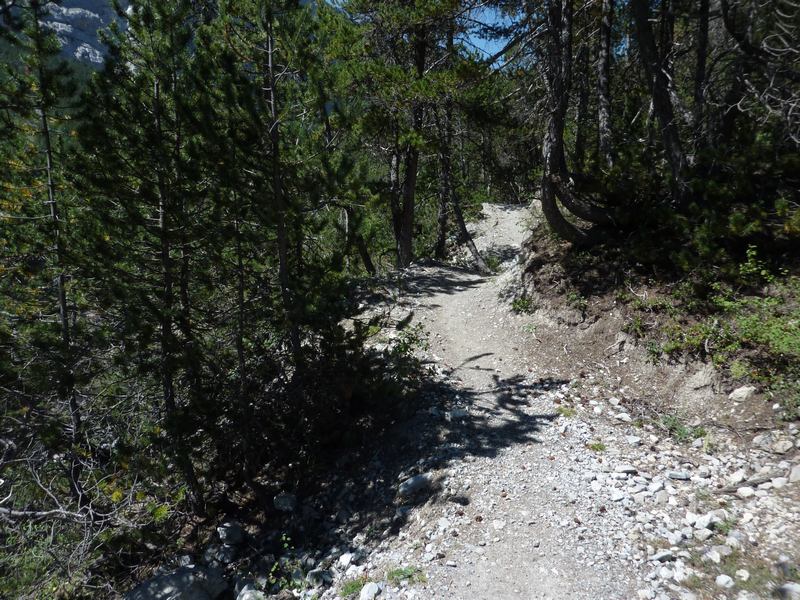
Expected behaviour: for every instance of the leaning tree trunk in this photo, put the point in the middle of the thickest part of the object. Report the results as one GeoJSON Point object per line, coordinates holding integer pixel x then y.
{"type": "Point", "coordinates": [604, 85]}
{"type": "Point", "coordinates": [558, 73]}
{"type": "Point", "coordinates": [446, 165]}
{"type": "Point", "coordinates": [658, 81]}
{"type": "Point", "coordinates": [448, 187]}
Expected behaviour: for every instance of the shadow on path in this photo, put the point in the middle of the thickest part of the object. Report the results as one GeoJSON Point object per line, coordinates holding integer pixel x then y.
{"type": "Point", "coordinates": [359, 495]}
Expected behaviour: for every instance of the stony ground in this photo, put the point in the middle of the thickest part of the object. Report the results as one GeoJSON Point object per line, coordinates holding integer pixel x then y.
{"type": "Point", "coordinates": [559, 489]}
{"type": "Point", "coordinates": [537, 466]}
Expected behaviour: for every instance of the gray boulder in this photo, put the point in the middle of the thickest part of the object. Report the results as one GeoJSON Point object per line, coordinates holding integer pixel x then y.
{"type": "Point", "coordinates": [789, 591]}
{"type": "Point", "coordinates": [184, 583]}
{"type": "Point", "coordinates": [251, 594]}
{"type": "Point", "coordinates": [231, 533]}
{"type": "Point", "coordinates": [369, 591]}
{"type": "Point", "coordinates": [415, 484]}
{"type": "Point", "coordinates": [285, 502]}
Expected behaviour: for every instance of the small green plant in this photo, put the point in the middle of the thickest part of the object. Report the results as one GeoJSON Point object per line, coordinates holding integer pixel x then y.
{"type": "Point", "coordinates": [410, 340]}
{"type": "Point", "coordinates": [695, 582]}
{"type": "Point", "coordinates": [679, 430]}
{"type": "Point", "coordinates": [709, 446]}
{"type": "Point", "coordinates": [726, 526]}
{"type": "Point", "coordinates": [493, 262]}
{"type": "Point", "coordinates": [410, 574]}
{"type": "Point", "coordinates": [522, 305]}
{"type": "Point", "coordinates": [566, 411]}
{"type": "Point", "coordinates": [635, 326]}
{"type": "Point", "coordinates": [753, 270]}
{"type": "Point", "coordinates": [703, 494]}
{"type": "Point", "coordinates": [577, 301]}
{"type": "Point", "coordinates": [596, 446]}
{"type": "Point", "coordinates": [529, 328]}
{"type": "Point", "coordinates": [351, 587]}
{"type": "Point", "coordinates": [762, 577]}
{"type": "Point", "coordinates": [739, 369]}
{"type": "Point", "coordinates": [654, 351]}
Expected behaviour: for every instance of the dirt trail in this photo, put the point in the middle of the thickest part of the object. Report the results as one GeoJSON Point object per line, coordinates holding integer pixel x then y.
{"type": "Point", "coordinates": [526, 532]}
{"type": "Point", "coordinates": [547, 476]}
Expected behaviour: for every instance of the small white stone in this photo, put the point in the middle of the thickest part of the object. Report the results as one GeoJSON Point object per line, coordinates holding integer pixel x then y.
{"type": "Point", "coordinates": [737, 477]}
{"type": "Point", "coordinates": [724, 581]}
{"type": "Point", "coordinates": [745, 492]}
{"type": "Point", "coordinates": [742, 574]}
{"type": "Point", "coordinates": [703, 534]}
{"type": "Point", "coordinates": [743, 393]}
{"type": "Point", "coordinates": [782, 446]}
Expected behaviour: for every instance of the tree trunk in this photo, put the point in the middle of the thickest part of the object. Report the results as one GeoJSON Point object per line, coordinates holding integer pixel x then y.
{"type": "Point", "coordinates": [579, 207]}
{"type": "Point", "coordinates": [558, 74]}
{"type": "Point", "coordinates": [65, 376]}
{"type": "Point", "coordinates": [240, 301]}
{"type": "Point", "coordinates": [167, 335]}
{"type": "Point", "coordinates": [698, 114]}
{"type": "Point", "coordinates": [582, 108]}
{"type": "Point", "coordinates": [606, 145]}
{"type": "Point", "coordinates": [284, 278]}
{"type": "Point", "coordinates": [363, 251]}
{"type": "Point", "coordinates": [658, 81]}
{"type": "Point", "coordinates": [440, 250]}
{"type": "Point", "coordinates": [446, 166]}
{"type": "Point", "coordinates": [405, 239]}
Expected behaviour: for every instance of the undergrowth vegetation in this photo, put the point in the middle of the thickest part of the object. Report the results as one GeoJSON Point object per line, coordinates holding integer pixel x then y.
{"type": "Point", "coordinates": [747, 325]}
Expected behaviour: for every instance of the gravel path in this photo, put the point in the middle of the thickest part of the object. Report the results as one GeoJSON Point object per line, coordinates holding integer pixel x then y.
{"type": "Point", "coordinates": [554, 490]}
{"type": "Point", "coordinates": [527, 531]}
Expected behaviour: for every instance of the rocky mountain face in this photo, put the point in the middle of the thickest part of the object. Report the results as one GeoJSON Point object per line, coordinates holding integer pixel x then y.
{"type": "Point", "coordinates": [76, 24]}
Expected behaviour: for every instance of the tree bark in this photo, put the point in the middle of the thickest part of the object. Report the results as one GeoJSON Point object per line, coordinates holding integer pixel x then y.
{"type": "Point", "coordinates": [363, 252]}
{"type": "Point", "coordinates": [698, 115]}
{"type": "Point", "coordinates": [284, 278]}
{"type": "Point", "coordinates": [445, 127]}
{"type": "Point", "coordinates": [446, 166]}
{"type": "Point", "coordinates": [167, 340]}
{"type": "Point", "coordinates": [440, 250]}
{"type": "Point", "coordinates": [558, 74]}
{"type": "Point", "coordinates": [405, 239]}
{"type": "Point", "coordinates": [605, 139]}
{"type": "Point", "coordinates": [658, 81]}
{"type": "Point", "coordinates": [582, 108]}
{"type": "Point", "coordinates": [586, 210]}
{"type": "Point", "coordinates": [66, 386]}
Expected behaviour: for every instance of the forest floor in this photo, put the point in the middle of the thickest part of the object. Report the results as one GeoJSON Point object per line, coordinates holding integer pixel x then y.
{"type": "Point", "coordinates": [554, 460]}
